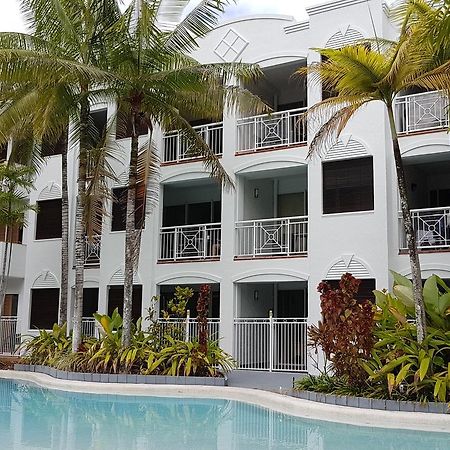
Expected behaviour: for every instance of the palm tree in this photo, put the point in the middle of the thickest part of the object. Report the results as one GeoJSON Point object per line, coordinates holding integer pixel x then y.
{"type": "Point", "coordinates": [157, 84]}
{"type": "Point", "coordinates": [64, 55]}
{"type": "Point", "coordinates": [362, 74]}
{"type": "Point", "coordinates": [16, 183]}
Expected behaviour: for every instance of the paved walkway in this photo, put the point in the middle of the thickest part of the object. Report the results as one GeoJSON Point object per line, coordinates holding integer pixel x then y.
{"type": "Point", "coordinates": [267, 381]}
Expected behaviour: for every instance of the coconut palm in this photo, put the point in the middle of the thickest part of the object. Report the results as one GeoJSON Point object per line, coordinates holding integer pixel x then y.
{"type": "Point", "coordinates": [362, 74]}
{"type": "Point", "coordinates": [16, 183]}
{"type": "Point", "coordinates": [158, 84]}
{"type": "Point", "coordinates": [64, 55]}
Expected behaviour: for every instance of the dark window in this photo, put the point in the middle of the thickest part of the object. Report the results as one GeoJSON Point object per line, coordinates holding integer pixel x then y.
{"type": "Point", "coordinates": [365, 291]}
{"type": "Point", "coordinates": [44, 308]}
{"type": "Point", "coordinates": [348, 185]}
{"type": "Point", "coordinates": [192, 214]}
{"type": "Point", "coordinates": [3, 152]}
{"type": "Point", "coordinates": [98, 122]}
{"type": "Point", "coordinates": [115, 300]}
{"type": "Point", "coordinates": [51, 148]}
{"type": "Point", "coordinates": [119, 209]}
{"type": "Point", "coordinates": [439, 198]}
{"type": "Point", "coordinates": [49, 223]}
{"type": "Point", "coordinates": [124, 127]}
{"type": "Point", "coordinates": [167, 293]}
{"type": "Point", "coordinates": [10, 305]}
{"type": "Point", "coordinates": [291, 303]}
{"type": "Point", "coordinates": [90, 301]}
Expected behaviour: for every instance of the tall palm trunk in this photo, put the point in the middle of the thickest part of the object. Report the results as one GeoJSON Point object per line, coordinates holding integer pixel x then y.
{"type": "Point", "coordinates": [409, 232]}
{"type": "Point", "coordinates": [64, 241]}
{"type": "Point", "coordinates": [5, 267]}
{"type": "Point", "coordinates": [80, 226]}
{"type": "Point", "coordinates": [130, 227]}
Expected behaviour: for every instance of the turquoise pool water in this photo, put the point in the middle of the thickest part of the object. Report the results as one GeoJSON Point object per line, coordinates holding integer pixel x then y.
{"type": "Point", "coordinates": [33, 418]}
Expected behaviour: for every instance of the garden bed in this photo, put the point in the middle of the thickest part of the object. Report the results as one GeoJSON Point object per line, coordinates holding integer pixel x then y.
{"type": "Point", "coordinates": [373, 403]}
{"type": "Point", "coordinates": [121, 378]}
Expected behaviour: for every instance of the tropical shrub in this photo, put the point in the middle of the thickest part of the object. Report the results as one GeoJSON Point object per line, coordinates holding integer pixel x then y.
{"type": "Point", "coordinates": [345, 333]}
{"type": "Point", "coordinates": [145, 354]}
{"type": "Point", "coordinates": [399, 364]}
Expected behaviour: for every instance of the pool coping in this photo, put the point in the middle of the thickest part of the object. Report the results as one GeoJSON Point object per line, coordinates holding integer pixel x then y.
{"type": "Point", "coordinates": [121, 377]}
{"type": "Point", "coordinates": [286, 404]}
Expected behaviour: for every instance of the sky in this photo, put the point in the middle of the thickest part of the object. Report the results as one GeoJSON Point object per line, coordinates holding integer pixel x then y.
{"type": "Point", "coordinates": [10, 19]}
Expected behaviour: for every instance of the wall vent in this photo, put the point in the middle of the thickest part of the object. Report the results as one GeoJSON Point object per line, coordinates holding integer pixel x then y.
{"type": "Point", "coordinates": [343, 38]}
{"type": "Point", "coordinates": [347, 263]}
{"type": "Point", "coordinates": [346, 147]}
{"type": "Point", "coordinates": [46, 280]}
{"type": "Point", "coordinates": [50, 192]}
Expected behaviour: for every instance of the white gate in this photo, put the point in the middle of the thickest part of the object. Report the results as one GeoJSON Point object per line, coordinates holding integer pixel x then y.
{"type": "Point", "coordinates": [9, 338]}
{"type": "Point", "coordinates": [273, 344]}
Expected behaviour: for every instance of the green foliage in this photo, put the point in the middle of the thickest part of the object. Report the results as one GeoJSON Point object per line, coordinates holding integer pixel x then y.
{"type": "Point", "coordinates": [176, 307]}
{"type": "Point", "coordinates": [399, 363]}
{"type": "Point", "coordinates": [49, 346]}
{"type": "Point", "coordinates": [145, 355]}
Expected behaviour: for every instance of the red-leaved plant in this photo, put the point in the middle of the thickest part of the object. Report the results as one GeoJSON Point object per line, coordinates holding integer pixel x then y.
{"type": "Point", "coordinates": [345, 333]}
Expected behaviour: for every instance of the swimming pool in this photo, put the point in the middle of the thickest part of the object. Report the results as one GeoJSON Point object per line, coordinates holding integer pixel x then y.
{"type": "Point", "coordinates": [32, 417]}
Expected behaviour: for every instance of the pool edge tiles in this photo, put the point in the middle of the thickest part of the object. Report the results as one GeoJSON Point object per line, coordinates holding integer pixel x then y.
{"type": "Point", "coordinates": [277, 402]}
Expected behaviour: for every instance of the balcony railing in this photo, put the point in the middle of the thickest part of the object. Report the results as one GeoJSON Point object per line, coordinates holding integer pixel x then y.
{"type": "Point", "coordinates": [420, 112]}
{"type": "Point", "coordinates": [9, 338]}
{"type": "Point", "coordinates": [279, 129]}
{"type": "Point", "coordinates": [287, 236]}
{"type": "Point", "coordinates": [190, 242]}
{"type": "Point", "coordinates": [271, 344]}
{"type": "Point", "coordinates": [187, 328]}
{"type": "Point", "coordinates": [92, 251]}
{"type": "Point", "coordinates": [176, 148]}
{"type": "Point", "coordinates": [432, 228]}
{"type": "Point", "coordinates": [88, 327]}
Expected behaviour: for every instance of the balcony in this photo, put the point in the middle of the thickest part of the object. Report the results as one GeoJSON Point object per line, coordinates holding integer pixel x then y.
{"type": "Point", "coordinates": [92, 251]}
{"type": "Point", "coordinates": [432, 228]}
{"type": "Point", "coordinates": [18, 258]}
{"type": "Point", "coordinates": [279, 129]}
{"type": "Point", "coordinates": [176, 148]}
{"type": "Point", "coordinates": [287, 236]}
{"type": "Point", "coordinates": [426, 111]}
{"type": "Point", "coordinates": [190, 242]}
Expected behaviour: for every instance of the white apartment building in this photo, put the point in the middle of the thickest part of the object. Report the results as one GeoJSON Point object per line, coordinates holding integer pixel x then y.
{"type": "Point", "coordinates": [290, 222]}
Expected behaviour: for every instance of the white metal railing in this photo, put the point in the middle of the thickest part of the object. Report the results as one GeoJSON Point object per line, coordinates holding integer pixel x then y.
{"type": "Point", "coordinates": [272, 344]}
{"type": "Point", "coordinates": [432, 228]}
{"type": "Point", "coordinates": [190, 242]}
{"type": "Point", "coordinates": [9, 337]}
{"type": "Point", "coordinates": [278, 129]}
{"type": "Point", "coordinates": [88, 327]}
{"type": "Point", "coordinates": [187, 328]}
{"type": "Point", "coordinates": [176, 148]}
{"type": "Point", "coordinates": [424, 111]}
{"type": "Point", "coordinates": [92, 250]}
{"type": "Point", "coordinates": [272, 237]}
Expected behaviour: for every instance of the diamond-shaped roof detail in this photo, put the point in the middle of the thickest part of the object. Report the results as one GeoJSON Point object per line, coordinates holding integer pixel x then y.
{"type": "Point", "coordinates": [231, 46]}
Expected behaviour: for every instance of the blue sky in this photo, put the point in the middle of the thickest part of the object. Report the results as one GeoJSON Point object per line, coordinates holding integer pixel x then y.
{"type": "Point", "coordinates": [10, 19]}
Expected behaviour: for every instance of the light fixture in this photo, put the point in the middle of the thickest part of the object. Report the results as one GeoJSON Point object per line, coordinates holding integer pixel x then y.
{"type": "Point", "coordinates": [256, 295]}
{"type": "Point", "coordinates": [256, 192]}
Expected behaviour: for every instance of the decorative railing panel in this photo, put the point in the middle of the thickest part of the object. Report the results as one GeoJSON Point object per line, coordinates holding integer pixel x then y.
{"type": "Point", "coordinates": [190, 242]}
{"type": "Point", "coordinates": [272, 344]}
{"type": "Point", "coordinates": [286, 236]}
{"type": "Point", "coordinates": [279, 129]}
{"type": "Point", "coordinates": [420, 112]}
{"type": "Point", "coordinates": [9, 337]}
{"type": "Point", "coordinates": [92, 251]}
{"type": "Point", "coordinates": [432, 228]}
{"type": "Point", "coordinates": [176, 148]}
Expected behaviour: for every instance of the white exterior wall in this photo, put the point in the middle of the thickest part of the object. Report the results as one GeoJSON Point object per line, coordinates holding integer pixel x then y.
{"type": "Point", "coordinates": [369, 238]}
